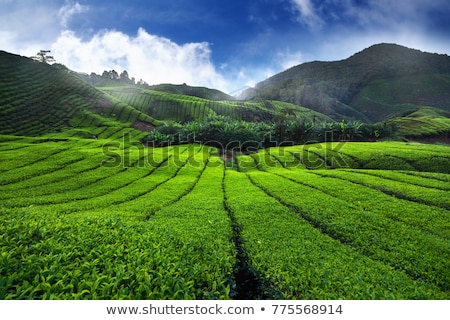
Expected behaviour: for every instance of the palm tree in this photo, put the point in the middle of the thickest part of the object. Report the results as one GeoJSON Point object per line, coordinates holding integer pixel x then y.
{"type": "Point", "coordinates": [350, 130]}
{"type": "Point", "coordinates": [284, 114]}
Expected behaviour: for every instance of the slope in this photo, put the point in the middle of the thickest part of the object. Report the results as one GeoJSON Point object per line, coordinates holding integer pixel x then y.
{"type": "Point", "coordinates": [357, 87]}
{"type": "Point", "coordinates": [37, 98]}
{"type": "Point", "coordinates": [387, 98]}
{"type": "Point", "coordinates": [185, 108]}
{"type": "Point", "coordinates": [424, 122]}
{"type": "Point", "coordinates": [201, 92]}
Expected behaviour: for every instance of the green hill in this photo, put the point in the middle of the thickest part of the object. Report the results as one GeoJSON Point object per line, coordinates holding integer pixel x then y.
{"type": "Point", "coordinates": [379, 82]}
{"type": "Point", "coordinates": [201, 92]}
{"type": "Point", "coordinates": [37, 98]}
{"type": "Point", "coordinates": [424, 122]}
{"type": "Point", "coordinates": [387, 98]}
{"type": "Point", "coordinates": [185, 108]}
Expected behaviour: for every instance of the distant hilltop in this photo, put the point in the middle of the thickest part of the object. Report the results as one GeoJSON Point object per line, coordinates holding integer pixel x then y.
{"type": "Point", "coordinates": [378, 83]}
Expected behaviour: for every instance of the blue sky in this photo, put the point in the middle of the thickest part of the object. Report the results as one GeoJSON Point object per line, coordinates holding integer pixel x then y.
{"type": "Point", "coordinates": [222, 44]}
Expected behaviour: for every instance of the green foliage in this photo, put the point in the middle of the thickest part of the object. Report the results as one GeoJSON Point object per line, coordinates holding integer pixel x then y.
{"type": "Point", "coordinates": [217, 131]}
{"type": "Point", "coordinates": [108, 219]}
{"type": "Point", "coordinates": [158, 139]}
{"type": "Point", "coordinates": [301, 261]}
{"type": "Point", "coordinates": [228, 134]}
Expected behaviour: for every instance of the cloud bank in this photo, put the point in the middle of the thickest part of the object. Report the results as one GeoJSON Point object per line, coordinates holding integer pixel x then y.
{"type": "Point", "coordinates": [145, 56]}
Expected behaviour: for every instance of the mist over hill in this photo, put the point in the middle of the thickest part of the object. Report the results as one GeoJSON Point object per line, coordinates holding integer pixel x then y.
{"type": "Point", "coordinates": [380, 82]}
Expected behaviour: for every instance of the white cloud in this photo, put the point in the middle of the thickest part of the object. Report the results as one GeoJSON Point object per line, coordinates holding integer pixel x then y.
{"type": "Point", "coordinates": [307, 13]}
{"type": "Point", "coordinates": [248, 78]}
{"type": "Point", "coordinates": [380, 12]}
{"type": "Point", "coordinates": [287, 59]}
{"type": "Point", "coordinates": [152, 58]}
{"type": "Point", "coordinates": [26, 26]}
{"type": "Point", "coordinates": [68, 10]}
{"type": "Point", "coordinates": [387, 13]}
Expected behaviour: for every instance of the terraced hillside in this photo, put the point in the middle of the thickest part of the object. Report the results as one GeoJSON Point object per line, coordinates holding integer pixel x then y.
{"type": "Point", "coordinates": [36, 99]}
{"type": "Point", "coordinates": [201, 92]}
{"type": "Point", "coordinates": [185, 108]}
{"type": "Point", "coordinates": [91, 219]}
{"type": "Point", "coordinates": [424, 122]}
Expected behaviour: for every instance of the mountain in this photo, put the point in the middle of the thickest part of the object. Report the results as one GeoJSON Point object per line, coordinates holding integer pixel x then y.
{"type": "Point", "coordinates": [403, 88]}
{"type": "Point", "coordinates": [378, 83]}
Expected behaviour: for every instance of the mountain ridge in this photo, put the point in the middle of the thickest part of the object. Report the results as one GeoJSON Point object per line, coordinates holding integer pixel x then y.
{"type": "Point", "coordinates": [329, 87]}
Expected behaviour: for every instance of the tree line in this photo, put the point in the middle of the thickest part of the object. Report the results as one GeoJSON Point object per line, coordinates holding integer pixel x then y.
{"type": "Point", "coordinates": [227, 133]}
{"type": "Point", "coordinates": [113, 75]}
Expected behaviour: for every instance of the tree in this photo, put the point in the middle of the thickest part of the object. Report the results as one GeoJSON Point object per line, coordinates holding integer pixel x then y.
{"type": "Point", "coordinates": [285, 114]}
{"type": "Point", "coordinates": [124, 75]}
{"type": "Point", "coordinates": [112, 74]}
{"type": "Point", "coordinates": [125, 78]}
{"type": "Point", "coordinates": [42, 56]}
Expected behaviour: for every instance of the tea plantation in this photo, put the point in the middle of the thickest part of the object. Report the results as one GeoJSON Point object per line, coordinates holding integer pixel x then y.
{"type": "Point", "coordinates": [112, 219]}
{"type": "Point", "coordinates": [90, 208]}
